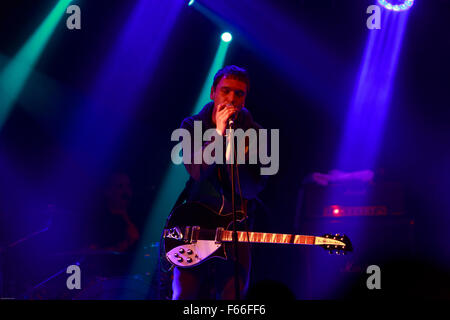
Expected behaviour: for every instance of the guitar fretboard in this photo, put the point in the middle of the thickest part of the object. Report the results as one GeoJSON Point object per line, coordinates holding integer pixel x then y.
{"type": "Point", "coordinates": [262, 237]}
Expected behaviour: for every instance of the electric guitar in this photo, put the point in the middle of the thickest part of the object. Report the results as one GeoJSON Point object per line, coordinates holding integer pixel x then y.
{"type": "Point", "coordinates": [195, 233]}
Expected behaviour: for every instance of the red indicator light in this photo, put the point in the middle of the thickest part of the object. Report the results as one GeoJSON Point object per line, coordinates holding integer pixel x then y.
{"type": "Point", "coordinates": [336, 210]}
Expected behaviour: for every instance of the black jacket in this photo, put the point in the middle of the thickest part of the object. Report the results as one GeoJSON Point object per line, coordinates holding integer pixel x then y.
{"type": "Point", "coordinates": [211, 183]}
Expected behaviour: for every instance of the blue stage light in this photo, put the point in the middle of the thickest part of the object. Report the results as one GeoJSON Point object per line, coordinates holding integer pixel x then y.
{"type": "Point", "coordinates": [397, 7]}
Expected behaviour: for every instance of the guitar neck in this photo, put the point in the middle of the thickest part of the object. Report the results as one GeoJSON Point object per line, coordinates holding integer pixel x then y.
{"type": "Point", "coordinates": [263, 237]}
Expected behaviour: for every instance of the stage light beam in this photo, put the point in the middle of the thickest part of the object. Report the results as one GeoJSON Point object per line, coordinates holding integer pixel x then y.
{"type": "Point", "coordinates": [361, 138]}
{"type": "Point", "coordinates": [218, 63]}
{"type": "Point", "coordinates": [14, 76]}
{"type": "Point", "coordinates": [176, 175]}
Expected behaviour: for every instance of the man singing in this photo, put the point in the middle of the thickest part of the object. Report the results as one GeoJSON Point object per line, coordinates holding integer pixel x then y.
{"type": "Point", "coordinates": [211, 184]}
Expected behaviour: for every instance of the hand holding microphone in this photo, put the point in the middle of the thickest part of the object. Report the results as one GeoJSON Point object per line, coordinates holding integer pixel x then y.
{"type": "Point", "coordinates": [225, 116]}
{"type": "Point", "coordinates": [232, 119]}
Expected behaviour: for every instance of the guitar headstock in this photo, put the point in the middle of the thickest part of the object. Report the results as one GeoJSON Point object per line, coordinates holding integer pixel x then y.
{"type": "Point", "coordinates": [335, 243]}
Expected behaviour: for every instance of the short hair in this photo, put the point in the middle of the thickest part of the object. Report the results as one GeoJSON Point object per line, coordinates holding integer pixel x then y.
{"type": "Point", "coordinates": [233, 72]}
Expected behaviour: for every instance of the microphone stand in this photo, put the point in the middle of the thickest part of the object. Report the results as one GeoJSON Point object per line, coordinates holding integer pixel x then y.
{"type": "Point", "coordinates": [233, 208]}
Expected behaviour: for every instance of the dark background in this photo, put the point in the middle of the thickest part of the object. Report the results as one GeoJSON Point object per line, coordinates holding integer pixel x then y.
{"type": "Point", "coordinates": [415, 150]}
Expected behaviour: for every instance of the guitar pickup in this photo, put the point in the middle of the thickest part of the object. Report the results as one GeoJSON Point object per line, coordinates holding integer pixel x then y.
{"type": "Point", "coordinates": [195, 232]}
{"type": "Point", "coordinates": [218, 238]}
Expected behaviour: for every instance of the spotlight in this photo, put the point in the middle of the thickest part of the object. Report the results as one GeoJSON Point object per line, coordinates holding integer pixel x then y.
{"type": "Point", "coordinates": [191, 2]}
{"type": "Point", "coordinates": [397, 7]}
{"type": "Point", "coordinates": [226, 37]}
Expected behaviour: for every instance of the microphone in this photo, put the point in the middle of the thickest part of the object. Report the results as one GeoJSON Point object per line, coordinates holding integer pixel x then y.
{"type": "Point", "coordinates": [232, 118]}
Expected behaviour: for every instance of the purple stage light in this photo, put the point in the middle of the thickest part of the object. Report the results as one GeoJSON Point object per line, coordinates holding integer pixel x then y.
{"type": "Point", "coordinates": [361, 141]}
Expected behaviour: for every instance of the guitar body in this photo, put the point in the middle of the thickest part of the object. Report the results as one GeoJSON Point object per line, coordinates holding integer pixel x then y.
{"type": "Point", "coordinates": [198, 215]}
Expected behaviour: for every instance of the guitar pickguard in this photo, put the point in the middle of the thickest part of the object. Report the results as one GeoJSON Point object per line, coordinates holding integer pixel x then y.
{"type": "Point", "coordinates": [191, 254]}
